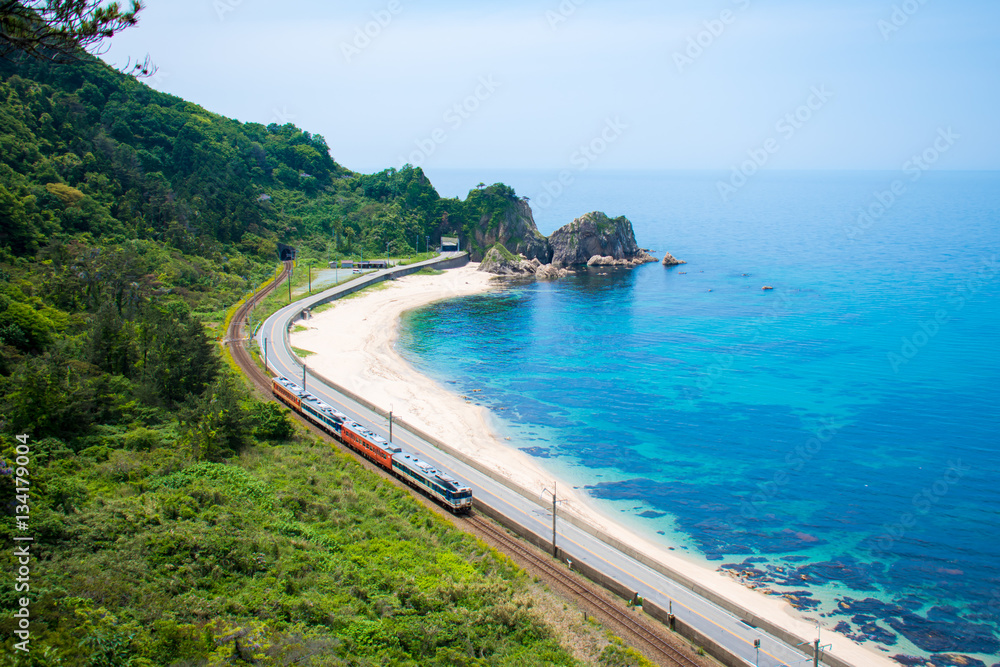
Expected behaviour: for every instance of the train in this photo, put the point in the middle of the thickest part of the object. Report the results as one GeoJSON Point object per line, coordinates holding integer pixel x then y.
{"type": "Point", "coordinates": [437, 484]}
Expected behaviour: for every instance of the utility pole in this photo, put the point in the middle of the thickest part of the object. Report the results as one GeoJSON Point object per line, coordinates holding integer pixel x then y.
{"type": "Point", "coordinates": [289, 287]}
{"type": "Point", "coordinates": [303, 377]}
{"type": "Point", "coordinates": [817, 648]}
{"type": "Point", "coordinates": [390, 423]}
{"type": "Point", "coordinates": [555, 551]}
{"type": "Point", "coordinates": [310, 277]}
{"type": "Point", "coordinates": [265, 355]}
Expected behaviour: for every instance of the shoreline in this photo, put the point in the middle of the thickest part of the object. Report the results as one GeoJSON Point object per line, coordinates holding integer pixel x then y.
{"type": "Point", "coordinates": [354, 343]}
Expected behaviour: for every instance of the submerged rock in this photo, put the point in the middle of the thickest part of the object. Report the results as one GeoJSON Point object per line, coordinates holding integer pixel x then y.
{"type": "Point", "coordinates": [957, 660]}
{"type": "Point", "coordinates": [940, 636]}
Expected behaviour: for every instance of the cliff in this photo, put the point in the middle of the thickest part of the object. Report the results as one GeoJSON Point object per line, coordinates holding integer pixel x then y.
{"type": "Point", "coordinates": [597, 239]}
{"type": "Point", "coordinates": [502, 217]}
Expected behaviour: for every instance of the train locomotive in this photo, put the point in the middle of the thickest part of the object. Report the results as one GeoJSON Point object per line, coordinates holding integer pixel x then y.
{"type": "Point", "coordinates": [421, 475]}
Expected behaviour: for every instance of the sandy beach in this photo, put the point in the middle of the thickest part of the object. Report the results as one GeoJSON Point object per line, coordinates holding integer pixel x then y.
{"type": "Point", "coordinates": [354, 345]}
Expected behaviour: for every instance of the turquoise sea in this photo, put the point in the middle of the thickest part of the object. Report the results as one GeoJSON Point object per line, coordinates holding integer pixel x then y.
{"type": "Point", "coordinates": [835, 437]}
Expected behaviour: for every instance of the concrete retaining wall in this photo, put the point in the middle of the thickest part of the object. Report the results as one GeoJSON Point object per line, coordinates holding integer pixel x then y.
{"type": "Point", "coordinates": [397, 272]}
{"type": "Point", "coordinates": [713, 648]}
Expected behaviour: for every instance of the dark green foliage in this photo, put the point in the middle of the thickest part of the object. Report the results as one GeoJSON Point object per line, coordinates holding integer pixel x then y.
{"type": "Point", "coordinates": [84, 150]}
{"type": "Point", "coordinates": [169, 530]}
{"type": "Point", "coordinates": [271, 421]}
{"type": "Point", "coordinates": [293, 552]}
{"type": "Point", "coordinates": [58, 29]}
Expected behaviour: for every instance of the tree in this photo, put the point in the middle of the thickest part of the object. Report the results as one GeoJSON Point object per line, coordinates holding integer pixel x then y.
{"type": "Point", "coordinates": [60, 29]}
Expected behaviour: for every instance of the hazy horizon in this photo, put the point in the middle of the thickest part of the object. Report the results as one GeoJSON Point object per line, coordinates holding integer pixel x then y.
{"type": "Point", "coordinates": [584, 84]}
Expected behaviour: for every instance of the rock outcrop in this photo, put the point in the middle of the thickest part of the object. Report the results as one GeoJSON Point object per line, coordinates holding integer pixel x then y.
{"type": "Point", "coordinates": [502, 262]}
{"type": "Point", "coordinates": [515, 228]}
{"type": "Point", "coordinates": [518, 249]}
{"type": "Point", "coordinates": [670, 260]}
{"type": "Point", "coordinates": [642, 258]}
{"type": "Point", "coordinates": [597, 235]}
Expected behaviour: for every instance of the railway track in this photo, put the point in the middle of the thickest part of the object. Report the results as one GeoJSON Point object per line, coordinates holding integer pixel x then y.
{"type": "Point", "coordinates": [235, 335]}
{"type": "Point", "coordinates": [653, 644]}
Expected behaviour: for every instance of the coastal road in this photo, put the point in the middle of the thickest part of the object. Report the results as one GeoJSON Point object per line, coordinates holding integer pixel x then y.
{"type": "Point", "coordinates": [709, 619]}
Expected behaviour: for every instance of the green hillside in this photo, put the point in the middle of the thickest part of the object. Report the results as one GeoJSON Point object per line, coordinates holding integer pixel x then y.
{"type": "Point", "coordinates": [176, 519]}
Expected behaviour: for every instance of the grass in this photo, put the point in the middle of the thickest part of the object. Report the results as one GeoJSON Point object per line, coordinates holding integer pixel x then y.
{"type": "Point", "coordinates": [149, 558]}
{"type": "Point", "coordinates": [416, 259]}
{"type": "Point", "coordinates": [377, 287]}
{"type": "Point", "coordinates": [299, 352]}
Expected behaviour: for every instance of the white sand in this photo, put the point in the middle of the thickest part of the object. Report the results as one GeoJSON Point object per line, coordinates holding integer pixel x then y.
{"type": "Point", "coordinates": [354, 345]}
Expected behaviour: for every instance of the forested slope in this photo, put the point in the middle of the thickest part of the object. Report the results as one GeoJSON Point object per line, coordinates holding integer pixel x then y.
{"type": "Point", "coordinates": [177, 520]}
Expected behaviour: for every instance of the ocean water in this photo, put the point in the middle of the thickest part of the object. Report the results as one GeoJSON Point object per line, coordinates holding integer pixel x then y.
{"type": "Point", "coordinates": [835, 437]}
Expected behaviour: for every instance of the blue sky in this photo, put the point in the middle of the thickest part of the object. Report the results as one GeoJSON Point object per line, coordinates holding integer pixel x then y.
{"type": "Point", "coordinates": [557, 84]}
